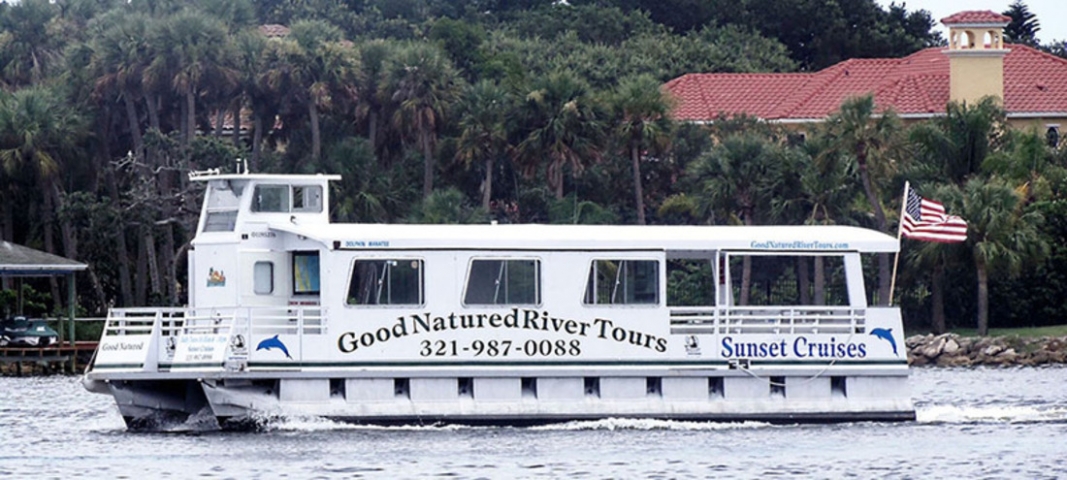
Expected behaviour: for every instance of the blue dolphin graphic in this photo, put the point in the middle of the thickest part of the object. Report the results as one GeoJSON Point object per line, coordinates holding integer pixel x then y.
{"type": "Point", "coordinates": [884, 334]}
{"type": "Point", "coordinates": [273, 342]}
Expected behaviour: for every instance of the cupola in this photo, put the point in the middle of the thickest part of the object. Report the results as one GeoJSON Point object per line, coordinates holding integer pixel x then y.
{"type": "Point", "coordinates": [976, 55]}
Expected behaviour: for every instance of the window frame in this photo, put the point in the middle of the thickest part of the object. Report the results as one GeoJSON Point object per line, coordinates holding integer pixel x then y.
{"type": "Point", "coordinates": [658, 278]}
{"type": "Point", "coordinates": [421, 282]}
{"type": "Point", "coordinates": [255, 277]}
{"type": "Point", "coordinates": [293, 271]}
{"type": "Point", "coordinates": [538, 280]}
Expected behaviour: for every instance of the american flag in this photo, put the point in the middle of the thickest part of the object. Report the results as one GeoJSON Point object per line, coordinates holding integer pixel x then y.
{"type": "Point", "coordinates": [926, 220]}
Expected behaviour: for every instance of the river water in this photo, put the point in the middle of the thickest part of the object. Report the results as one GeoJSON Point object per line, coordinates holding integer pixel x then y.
{"type": "Point", "coordinates": [972, 423]}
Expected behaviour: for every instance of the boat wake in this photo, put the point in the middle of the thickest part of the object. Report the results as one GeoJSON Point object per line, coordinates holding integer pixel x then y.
{"type": "Point", "coordinates": [991, 414]}
{"type": "Point", "coordinates": [303, 423]}
{"type": "Point", "coordinates": [611, 424]}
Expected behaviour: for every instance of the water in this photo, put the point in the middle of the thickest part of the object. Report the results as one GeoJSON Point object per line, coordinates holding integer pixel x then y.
{"type": "Point", "coordinates": [972, 423]}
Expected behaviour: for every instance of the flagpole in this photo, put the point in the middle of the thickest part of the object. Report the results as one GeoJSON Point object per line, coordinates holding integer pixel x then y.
{"type": "Point", "coordinates": [900, 229]}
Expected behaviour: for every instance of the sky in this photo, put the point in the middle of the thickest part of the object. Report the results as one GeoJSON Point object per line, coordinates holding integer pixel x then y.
{"type": "Point", "coordinates": [1051, 14]}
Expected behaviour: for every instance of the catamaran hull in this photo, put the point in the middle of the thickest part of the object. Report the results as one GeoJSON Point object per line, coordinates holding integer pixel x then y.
{"type": "Point", "coordinates": [731, 397]}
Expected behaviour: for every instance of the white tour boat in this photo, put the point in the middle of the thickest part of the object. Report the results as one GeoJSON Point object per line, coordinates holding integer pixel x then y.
{"type": "Point", "coordinates": [513, 324]}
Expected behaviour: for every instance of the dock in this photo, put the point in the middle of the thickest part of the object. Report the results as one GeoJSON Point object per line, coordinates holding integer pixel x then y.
{"type": "Point", "coordinates": [53, 359]}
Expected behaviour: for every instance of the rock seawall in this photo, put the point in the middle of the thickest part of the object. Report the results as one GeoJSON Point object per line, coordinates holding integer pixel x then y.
{"type": "Point", "coordinates": [952, 350]}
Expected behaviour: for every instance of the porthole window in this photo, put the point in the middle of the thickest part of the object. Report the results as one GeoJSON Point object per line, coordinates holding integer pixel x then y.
{"type": "Point", "coordinates": [1052, 135]}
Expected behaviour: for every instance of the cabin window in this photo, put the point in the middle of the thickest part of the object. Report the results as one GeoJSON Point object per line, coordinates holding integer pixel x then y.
{"type": "Point", "coordinates": [306, 273]}
{"type": "Point", "coordinates": [287, 198]}
{"type": "Point", "coordinates": [263, 278]}
{"type": "Point", "coordinates": [271, 198]}
{"type": "Point", "coordinates": [623, 282]}
{"type": "Point", "coordinates": [386, 282]}
{"type": "Point", "coordinates": [503, 282]}
{"type": "Point", "coordinates": [307, 198]}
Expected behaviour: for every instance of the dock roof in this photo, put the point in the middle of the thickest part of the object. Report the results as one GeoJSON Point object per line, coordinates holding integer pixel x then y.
{"type": "Point", "coordinates": [19, 261]}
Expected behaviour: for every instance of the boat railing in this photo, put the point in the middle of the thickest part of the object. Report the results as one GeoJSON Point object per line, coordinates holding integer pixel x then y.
{"type": "Point", "coordinates": [142, 321]}
{"type": "Point", "coordinates": [767, 320]}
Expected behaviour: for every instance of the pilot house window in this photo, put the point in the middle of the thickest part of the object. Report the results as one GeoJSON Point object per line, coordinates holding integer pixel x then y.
{"type": "Point", "coordinates": [287, 198]}
{"type": "Point", "coordinates": [504, 282]}
{"type": "Point", "coordinates": [623, 282]}
{"type": "Point", "coordinates": [386, 282]}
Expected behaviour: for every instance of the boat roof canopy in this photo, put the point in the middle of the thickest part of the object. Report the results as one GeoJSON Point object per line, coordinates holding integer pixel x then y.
{"type": "Point", "coordinates": [822, 238]}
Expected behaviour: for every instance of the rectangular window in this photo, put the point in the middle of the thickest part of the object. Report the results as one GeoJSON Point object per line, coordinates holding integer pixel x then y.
{"type": "Point", "coordinates": [503, 282]}
{"type": "Point", "coordinates": [623, 282]}
{"type": "Point", "coordinates": [307, 198]}
{"type": "Point", "coordinates": [386, 282]}
{"type": "Point", "coordinates": [271, 198]}
{"type": "Point", "coordinates": [263, 278]}
{"type": "Point", "coordinates": [305, 273]}
{"type": "Point", "coordinates": [287, 198]}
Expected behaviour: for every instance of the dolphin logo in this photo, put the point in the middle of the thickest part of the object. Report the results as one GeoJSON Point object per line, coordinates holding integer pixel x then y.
{"type": "Point", "coordinates": [273, 342]}
{"type": "Point", "coordinates": [887, 335]}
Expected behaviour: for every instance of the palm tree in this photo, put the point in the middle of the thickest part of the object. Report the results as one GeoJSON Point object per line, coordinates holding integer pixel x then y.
{"type": "Point", "coordinates": [738, 179]}
{"type": "Point", "coordinates": [955, 146]}
{"type": "Point", "coordinates": [644, 124]}
{"type": "Point", "coordinates": [309, 70]}
{"type": "Point", "coordinates": [561, 124]}
{"type": "Point", "coordinates": [423, 84]}
{"type": "Point", "coordinates": [250, 48]}
{"type": "Point", "coordinates": [1028, 162]}
{"type": "Point", "coordinates": [1001, 237]}
{"type": "Point", "coordinates": [828, 196]}
{"type": "Point", "coordinates": [447, 206]}
{"type": "Point", "coordinates": [37, 130]}
{"type": "Point", "coordinates": [483, 112]}
{"type": "Point", "coordinates": [120, 52]}
{"type": "Point", "coordinates": [373, 56]}
{"type": "Point", "coordinates": [192, 54]}
{"type": "Point", "coordinates": [29, 47]}
{"type": "Point", "coordinates": [867, 139]}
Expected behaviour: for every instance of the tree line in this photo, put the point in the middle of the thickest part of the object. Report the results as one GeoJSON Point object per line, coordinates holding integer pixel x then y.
{"type": "Point", "coordinates": [516, 111]}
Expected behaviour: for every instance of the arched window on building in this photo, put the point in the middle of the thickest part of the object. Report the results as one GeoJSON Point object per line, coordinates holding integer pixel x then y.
{"type": "Point", "coordinates": [1052, 136]}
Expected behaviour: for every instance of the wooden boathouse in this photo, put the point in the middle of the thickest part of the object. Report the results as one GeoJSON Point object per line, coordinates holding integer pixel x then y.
{"type": "Point", "coordinates": [18, 262]}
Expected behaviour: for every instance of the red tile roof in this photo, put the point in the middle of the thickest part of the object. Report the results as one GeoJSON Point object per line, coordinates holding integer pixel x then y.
{"type": "Point", "coordinates": [1034, 82]}
{"type": "Point", "coordinates": [976, 17]}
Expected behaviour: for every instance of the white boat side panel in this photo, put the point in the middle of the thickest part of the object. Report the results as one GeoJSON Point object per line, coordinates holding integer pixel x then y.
{"type": "Point", "coordinates": [215, 280]}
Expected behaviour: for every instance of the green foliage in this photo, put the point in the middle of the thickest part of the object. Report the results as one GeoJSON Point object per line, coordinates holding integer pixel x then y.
{"type": "Point", "coordinates": [592, 24]}
{"type": "Point", "coordinates": [570, 210]}
{"type": "Point", "coordinates": [1024, 25]}
{"type": "Point", "coordinates": [107, 103]}
{"type": "Point", "coordinates": [448, 206]}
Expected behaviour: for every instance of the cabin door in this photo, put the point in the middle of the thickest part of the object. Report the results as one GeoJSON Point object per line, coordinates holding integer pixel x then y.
{"type": "Point", "coordinates": [267, 272]}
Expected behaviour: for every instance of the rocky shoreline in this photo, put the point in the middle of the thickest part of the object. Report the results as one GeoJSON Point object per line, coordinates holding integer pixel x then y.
{"type": "Point", "coordinates": [952, 350]}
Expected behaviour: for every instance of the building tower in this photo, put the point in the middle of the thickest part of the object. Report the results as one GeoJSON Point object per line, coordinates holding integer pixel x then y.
{"type": "Point", "coordinates": [976, 55]}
